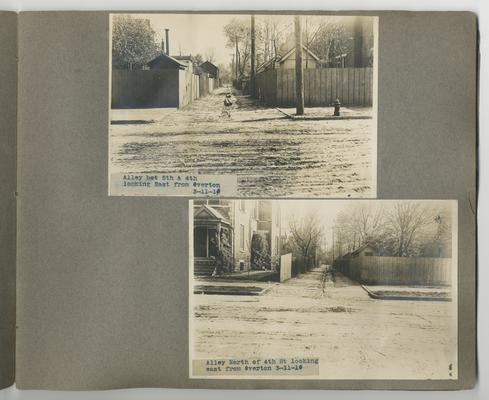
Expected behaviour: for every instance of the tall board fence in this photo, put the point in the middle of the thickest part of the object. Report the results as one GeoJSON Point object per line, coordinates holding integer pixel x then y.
{"type": "Point", "coordinates": [158, 88]}
{"type": "Point", "coordinates": [145, 89]}
{"type": "Point", "coordinates": [352, 86]}
{"type": "Point", "coordinates": [375, 270]}
{"type": "Point", "coordinates": [285, 267]}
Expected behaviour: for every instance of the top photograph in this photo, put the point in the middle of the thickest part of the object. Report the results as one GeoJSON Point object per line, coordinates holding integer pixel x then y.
{"type": "Point", "coordinates": [243, 105]}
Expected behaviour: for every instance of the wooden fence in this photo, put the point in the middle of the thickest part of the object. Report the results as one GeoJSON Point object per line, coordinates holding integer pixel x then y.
{"type": "Point", "coordinates": [374, 270]}
{"type": "Point", "coordinates": [285, 267]}
{"type": "Point", "coordinates": [157, 88]}
{"type": "Point", "coordinates": [145, 89]}
{"type": "Point", "coordinates": [352, 86]}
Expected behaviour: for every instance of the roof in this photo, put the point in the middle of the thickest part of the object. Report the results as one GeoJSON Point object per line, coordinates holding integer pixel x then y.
{"type": "Point", "coordinates": [210, 68]}
{"type": "Point", "coordinates": [292, 51]}
{"type": "Point", "coordinates": [363, 247]}
{"type": "Point", "coordinates": [208, 64]}
{"type": "Point", "coordinates": [165, 58]}
{"type": "Point", "coordinates": [208, 213]}
{"type": "Point", "coordinates": [184, 58]}
{"type": "Point", "coordinates": [266, 64]}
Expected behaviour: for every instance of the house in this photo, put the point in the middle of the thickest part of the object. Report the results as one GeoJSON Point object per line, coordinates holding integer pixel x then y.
{"type": "Point", "coordinates": [211, 69]}
{"type": "Point", "coordinates": [287, 60]}
{"type": "Point", "coordinates": [367, 250]}
{"type": "Point", "coordinates": [309, 59]}
{"type": "Point", "coordinates": [227, 231]}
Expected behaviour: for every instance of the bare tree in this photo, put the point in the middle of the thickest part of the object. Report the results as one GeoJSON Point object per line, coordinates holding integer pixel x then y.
{"type": "Point", "coordinates": [366, 223]}
{"type": "Point", "coordinates": [405, 221]}
{"type": "Point", "coordinates": [269, 36]}
{"type": "Point", "coordinates": [406, 228]}
{"type": "Point", "coordinates": [306, 236]}
{"type": "Point", "coordinates": [210, 55]}
{"type": "Point", "coordinates": [238, 34]}
{"type": "Point", "coordinates": [329, 40]}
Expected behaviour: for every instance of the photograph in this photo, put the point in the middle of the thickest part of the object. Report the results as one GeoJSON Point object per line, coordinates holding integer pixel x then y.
{"type": "Point", "coordinates": [243, 105]}
{"type": "Point", "coordinates": [323, 289]}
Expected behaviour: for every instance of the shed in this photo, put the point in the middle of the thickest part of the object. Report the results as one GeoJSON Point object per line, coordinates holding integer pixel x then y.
{"type": "Point", "coordinates": [211, 69]}
{"type": "Point", "coordinates": [164, 61]}
{"type": "Point", "coordinates": [366, 250]}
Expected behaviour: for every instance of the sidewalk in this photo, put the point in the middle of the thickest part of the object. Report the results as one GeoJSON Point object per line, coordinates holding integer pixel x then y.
{"type": "Point", "coordinates": [413, 293]}
{"type": "Point", "coordinates": [326, 113]}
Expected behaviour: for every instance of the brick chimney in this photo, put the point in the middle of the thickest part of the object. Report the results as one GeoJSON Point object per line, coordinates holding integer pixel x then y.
{"type": "Point", "coordinates": [167, 39]}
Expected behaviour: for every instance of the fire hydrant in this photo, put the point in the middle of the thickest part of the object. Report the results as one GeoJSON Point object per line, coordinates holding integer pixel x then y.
{"type": "Point", "coordinates": [337, 106]}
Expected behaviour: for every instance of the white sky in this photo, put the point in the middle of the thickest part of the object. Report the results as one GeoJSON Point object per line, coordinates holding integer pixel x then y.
{"type": "Point", "coordinates": [197, 33]}
{"type": "Point", "coordinates": [327, 210]}
{"type": "Point", "coordinates": [194, 33]}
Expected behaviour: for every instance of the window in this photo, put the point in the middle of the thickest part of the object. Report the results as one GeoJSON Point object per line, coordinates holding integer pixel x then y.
{"type": "Point", "coordinates": [241, 237]}
{"type": "Point", "coordinates": [242, 205]}
{"type": "Point", "coordinates": [369, 253]}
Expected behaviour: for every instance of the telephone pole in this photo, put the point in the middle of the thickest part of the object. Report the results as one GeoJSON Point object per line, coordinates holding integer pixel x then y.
{"type": "Point", "coordinates": [332, 233]}
{"type": "Point", "coordinates": [252, 80]}
{"type": "Point", "coordinates": [299, 73]}
{"type": "Point", "coordinates": [237, 61]}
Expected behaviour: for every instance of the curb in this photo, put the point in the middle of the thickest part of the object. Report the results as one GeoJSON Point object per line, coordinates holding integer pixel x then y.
{"type": "Point", "coordinates": [410, 298]}
{"type": "Point", "coordinates": [325, 118]}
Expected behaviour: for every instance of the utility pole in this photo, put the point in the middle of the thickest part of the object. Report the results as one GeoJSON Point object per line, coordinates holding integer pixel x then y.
{"type": "Point", "coordinates": [233, 67]}
{"type": "Point", "coordinates": [299, 73]}
{"type": "Point", "coordinates": [237, 60]}
{"type": "Point", "coordinates": [332, 230]}
{"type": "Point", "coordinates": [252, 81]}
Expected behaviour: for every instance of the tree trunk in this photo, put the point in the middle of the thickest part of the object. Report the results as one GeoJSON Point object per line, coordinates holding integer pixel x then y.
{"type": "Point", "coordinates": [252, 81]}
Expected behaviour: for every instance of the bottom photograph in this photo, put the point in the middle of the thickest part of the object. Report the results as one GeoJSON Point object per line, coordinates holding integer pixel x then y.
{"type": "Point", "coordinates": [323, 289]}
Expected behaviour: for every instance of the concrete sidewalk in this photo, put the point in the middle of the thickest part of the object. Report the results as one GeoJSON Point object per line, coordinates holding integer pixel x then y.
{"type": "Point", "coordinates": [413, 293]}
{"type": "Point", "coordinates": [326, 113]}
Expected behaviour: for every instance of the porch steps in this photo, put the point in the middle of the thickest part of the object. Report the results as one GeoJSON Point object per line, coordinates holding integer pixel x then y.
{"type": "Point", "coordinates": [203, 268]}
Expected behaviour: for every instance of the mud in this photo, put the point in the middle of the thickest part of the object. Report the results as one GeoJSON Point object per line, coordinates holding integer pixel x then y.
{"type": "Point", "coordinates": [354, 336]}
{"type": "Point", "coordinates": [270, 154]}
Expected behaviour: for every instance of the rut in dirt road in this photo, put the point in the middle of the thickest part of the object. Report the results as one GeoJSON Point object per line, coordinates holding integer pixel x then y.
{"type": "Point", "coordinates": [270, 155]}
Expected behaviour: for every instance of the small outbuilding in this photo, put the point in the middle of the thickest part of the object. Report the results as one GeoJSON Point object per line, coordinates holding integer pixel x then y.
{"type": "Point", "coordinates": [211, 69]}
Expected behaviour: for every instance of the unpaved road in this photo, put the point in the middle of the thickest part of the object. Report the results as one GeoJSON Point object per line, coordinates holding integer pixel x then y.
{"type": "Point", "coordinates": [271, 155]}
{"type": "Point", "coordinates": [353, 335]}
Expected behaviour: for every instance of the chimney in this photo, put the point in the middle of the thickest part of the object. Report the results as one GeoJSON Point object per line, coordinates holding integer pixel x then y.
{"type": "Point", "coordinates": [167, 40]}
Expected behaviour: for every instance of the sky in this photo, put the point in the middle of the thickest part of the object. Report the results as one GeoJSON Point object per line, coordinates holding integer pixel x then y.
{"type": "Point", "coordinates": [194, 33]}
{"type": "Point", "coordinates": [198, 33]}
{"type": "Point", "coordinates": [328, 210]}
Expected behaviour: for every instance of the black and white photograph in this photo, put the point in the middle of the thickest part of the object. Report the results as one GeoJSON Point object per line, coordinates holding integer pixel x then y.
{"type": "Point", "coordinates": [323, 289]}
{"type": "Point", "coordinates": [243, 105]}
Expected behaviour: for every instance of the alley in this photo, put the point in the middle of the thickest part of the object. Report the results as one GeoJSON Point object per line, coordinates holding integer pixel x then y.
{"type": "Point", "coordinates": [318, 315]}
{"type": "Point", "coordinates": [270, 154]}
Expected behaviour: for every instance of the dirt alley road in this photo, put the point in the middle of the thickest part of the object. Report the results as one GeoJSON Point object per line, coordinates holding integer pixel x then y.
{"type": "Point", "coordinates": [313, 316]}
{"type": "Point", "coordinates": [272, 155]}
